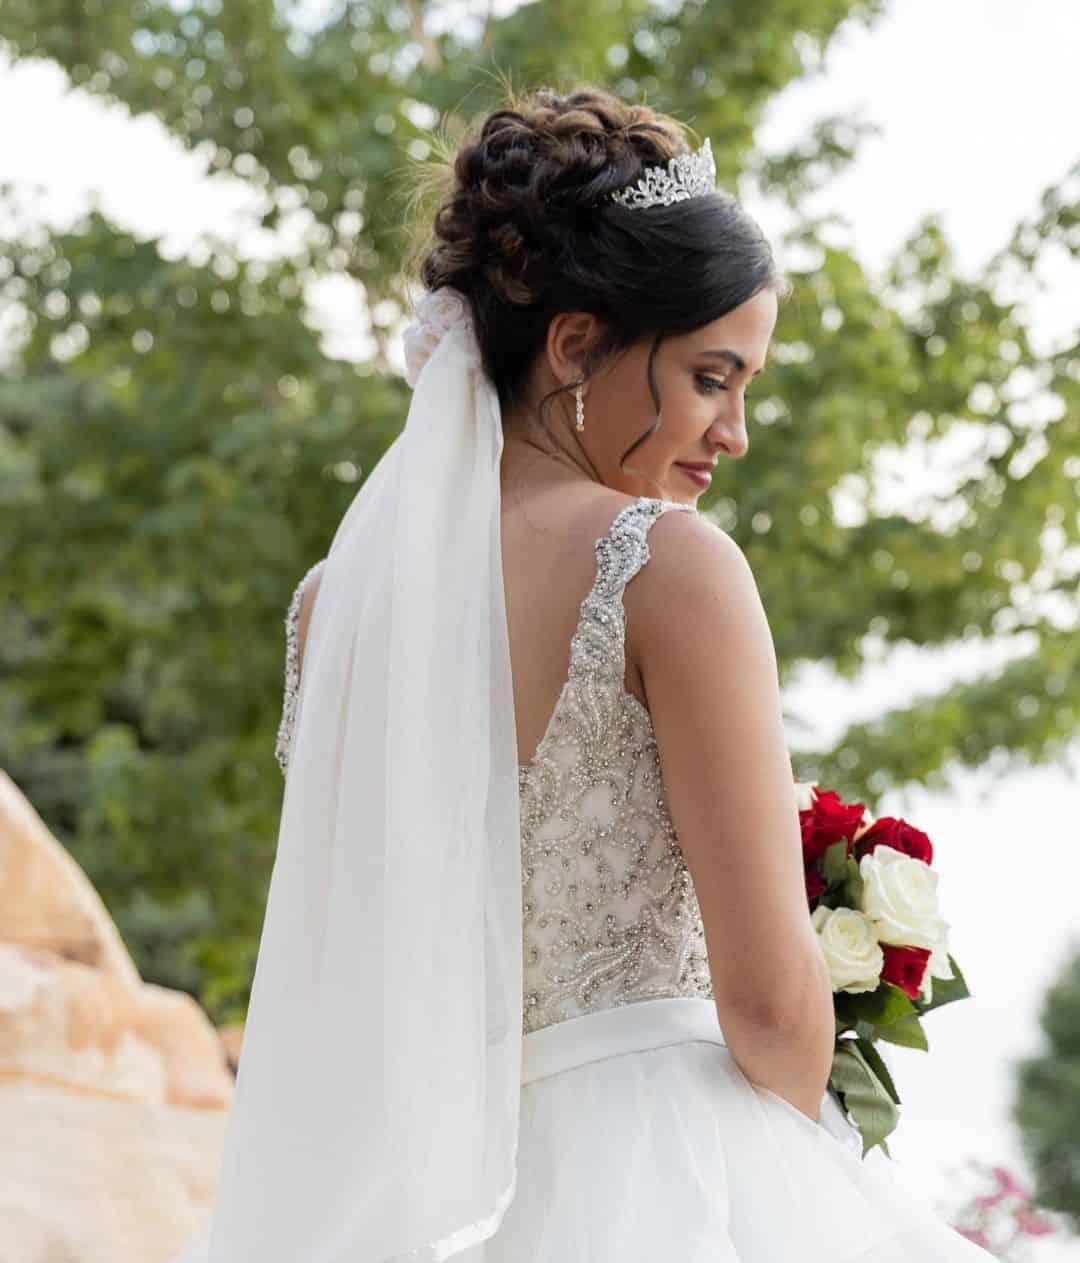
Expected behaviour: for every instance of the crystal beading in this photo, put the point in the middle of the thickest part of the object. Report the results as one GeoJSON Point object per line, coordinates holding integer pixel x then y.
{"type": "Point", "coordinates": [686, 175]}
{"type": "Point", "coordinates": [609, 911]}
{"type": "Point", "coordinates": [292, 671]}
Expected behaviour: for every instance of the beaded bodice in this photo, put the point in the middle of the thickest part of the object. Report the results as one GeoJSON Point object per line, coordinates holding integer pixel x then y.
{"type": "Point", "coordinates": [609, 911]}
{"type": "Point", "coordinates": [610, 915]}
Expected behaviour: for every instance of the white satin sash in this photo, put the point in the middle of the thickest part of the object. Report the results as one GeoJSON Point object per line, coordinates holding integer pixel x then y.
{"type": "Point", "coordinates": [641, 1027]}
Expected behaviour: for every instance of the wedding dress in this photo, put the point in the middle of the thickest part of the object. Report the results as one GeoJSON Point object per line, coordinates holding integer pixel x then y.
{"type": "Point", "coordinates": [641, 1140]}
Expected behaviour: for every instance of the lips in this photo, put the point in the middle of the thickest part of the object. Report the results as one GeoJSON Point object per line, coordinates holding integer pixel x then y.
{"type": "Point", "coordinates": [700, 475]}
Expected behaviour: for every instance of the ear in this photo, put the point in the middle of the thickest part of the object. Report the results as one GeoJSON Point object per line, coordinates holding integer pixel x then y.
{"type": "Point", "coordinates": [569, 336]}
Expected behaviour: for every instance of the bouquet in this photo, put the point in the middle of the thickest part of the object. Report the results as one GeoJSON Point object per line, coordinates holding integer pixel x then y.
{"type": "Point", "coordinates": [874, 904]}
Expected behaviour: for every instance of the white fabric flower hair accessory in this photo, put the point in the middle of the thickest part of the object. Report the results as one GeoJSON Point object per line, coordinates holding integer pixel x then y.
{"type": "Point", "coordinates": [437, 312]}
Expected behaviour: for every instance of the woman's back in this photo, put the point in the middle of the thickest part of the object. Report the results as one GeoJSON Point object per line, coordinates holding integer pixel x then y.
{"type": "Point", "coordinates": [608, 905]}
{"type": "Point", "coordinates": [549, 535]}
{"type": "Point", "coordinates": [611, 912]}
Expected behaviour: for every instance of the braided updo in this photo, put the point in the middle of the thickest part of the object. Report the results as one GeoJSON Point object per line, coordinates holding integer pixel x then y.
{"type": "Point", "coordinates": [526, 229]}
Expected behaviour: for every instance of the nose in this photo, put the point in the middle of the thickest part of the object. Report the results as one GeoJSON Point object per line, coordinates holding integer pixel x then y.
{"type": "Point", "coordinates": [729, 434]}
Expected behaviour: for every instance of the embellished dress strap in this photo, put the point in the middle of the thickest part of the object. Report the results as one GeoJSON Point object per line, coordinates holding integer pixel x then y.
{"type": "Point", "coordinates": [598, 647]}
{"type": "Point", "coordinates": [292, 671]}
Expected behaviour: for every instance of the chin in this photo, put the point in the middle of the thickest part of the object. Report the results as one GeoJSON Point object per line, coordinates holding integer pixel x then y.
{"type": "Point", "coordinates": [680, 497]}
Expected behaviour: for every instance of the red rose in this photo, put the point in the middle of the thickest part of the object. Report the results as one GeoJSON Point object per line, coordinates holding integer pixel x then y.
{"type": "Point", "coordinates": [904, 967]}
{"type": "Point", "coordinates": [898, 834]}
{"type": "Point", "coordinates": [826, 822]}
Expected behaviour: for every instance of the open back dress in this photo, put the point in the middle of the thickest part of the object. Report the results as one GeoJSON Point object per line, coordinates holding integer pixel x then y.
{"type": "Point", "coordinates": [641, 1139]}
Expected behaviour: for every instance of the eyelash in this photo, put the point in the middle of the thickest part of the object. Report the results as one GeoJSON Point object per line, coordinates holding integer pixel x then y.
{"type": "Point", "coordinates": [711, 383]}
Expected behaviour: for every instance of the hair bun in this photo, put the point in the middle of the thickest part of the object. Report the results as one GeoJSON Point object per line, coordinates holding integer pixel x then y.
{"type": "Point", "coordinates": [520, 185]}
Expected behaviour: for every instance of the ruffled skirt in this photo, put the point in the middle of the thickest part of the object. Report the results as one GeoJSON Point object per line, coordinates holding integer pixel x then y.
{"type": "Point", "coordinates": [642, 1141]}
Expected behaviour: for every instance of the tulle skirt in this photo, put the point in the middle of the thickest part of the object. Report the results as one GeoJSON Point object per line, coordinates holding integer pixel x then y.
{"type": "Point", "coordinates": [642, 1141]}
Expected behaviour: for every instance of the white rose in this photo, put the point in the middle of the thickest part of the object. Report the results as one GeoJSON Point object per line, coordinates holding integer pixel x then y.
{"type": "Point", "coordinates": [937, 966]}
{"type": "Point", "coordinates": [443, 307]}
{"type": "Point", "coordinates": [900, 898]}
{"type": "Point", "coordinates": [435, 313]}
{"type": "Point", "coordinates": [851, 948]}
{"type": "Point", "coordinates": [419, 342]}
{"type": "Point", "coordinates": [804, 795]}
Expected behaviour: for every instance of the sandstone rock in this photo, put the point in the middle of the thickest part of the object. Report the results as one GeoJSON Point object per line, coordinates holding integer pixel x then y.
{"type": "Point", "coordinates": [96, 1180]}
{"type": "Point", "coordinates": [73, 1010]}
{"type": "Point", "coordinates": [197, 1070]}
{"type": "Point", "coordinates": [45, 898]}
{"type": "Point", "coordinates": [71, 1026]}
{"type": "Point", "coordinates": [232, 1037]}
{"type": "Point", "coordinates": [68, 1025]}
{"type": "Point", "coordinates": [113, 1092]}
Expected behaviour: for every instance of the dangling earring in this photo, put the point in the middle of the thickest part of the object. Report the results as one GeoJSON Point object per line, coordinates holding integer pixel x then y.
{"type": "Point", "coordinates": [579, 400]}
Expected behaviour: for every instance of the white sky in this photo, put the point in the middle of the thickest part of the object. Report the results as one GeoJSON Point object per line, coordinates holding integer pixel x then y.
{"type": "Point", "coordinates": [978, 101]}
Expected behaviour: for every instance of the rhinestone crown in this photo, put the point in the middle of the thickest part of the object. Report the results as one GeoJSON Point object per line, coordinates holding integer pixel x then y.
{"type": "Point", "coordinates": [686, 175]}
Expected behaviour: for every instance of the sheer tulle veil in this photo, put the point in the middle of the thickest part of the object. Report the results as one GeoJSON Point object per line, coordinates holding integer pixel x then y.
{"type": "Point", "coordinates": [375, 1116]}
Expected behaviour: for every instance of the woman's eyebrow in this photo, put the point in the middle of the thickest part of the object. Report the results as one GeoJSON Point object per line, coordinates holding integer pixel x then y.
{"type": "Point", "coordinates": [726, 353]}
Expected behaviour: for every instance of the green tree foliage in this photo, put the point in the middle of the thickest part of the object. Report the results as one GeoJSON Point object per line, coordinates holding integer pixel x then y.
{"type": "Point", "coordinates": [1047, 1103]}
{"type": "Point", "coordinates": [176, 446]}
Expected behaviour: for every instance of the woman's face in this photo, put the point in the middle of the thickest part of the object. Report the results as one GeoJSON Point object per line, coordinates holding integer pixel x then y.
{"type": "Point", "coordinates": [702, 379]}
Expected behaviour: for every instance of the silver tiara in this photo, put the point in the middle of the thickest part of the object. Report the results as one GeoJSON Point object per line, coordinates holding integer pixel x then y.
{"type": "Point", "coordinates": [686, 175]}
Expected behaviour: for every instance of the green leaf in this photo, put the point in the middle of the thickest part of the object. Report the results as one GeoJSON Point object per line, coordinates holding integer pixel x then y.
{"type": "Point", "coordinates": [863, 1094]}
{"type": "Point", "coordinates": [835, 866]}
{"type": "Point", "coordinates": [877, 1064]}
{"type": "Point", "coordinates": [853, 884]}
{"type": "Point", "coordinates": [946, 990]}
{"type": "Point", "coordinates": [881, 1007]}
{"type": "Point", "coordinates": [846, 1014]}
{"type": "Point", "coordinates": [908, 1033]}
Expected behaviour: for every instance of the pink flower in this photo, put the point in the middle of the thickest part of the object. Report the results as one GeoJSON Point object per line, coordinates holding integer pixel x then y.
{"type": "Point", "coordinates": [1032, 1224]}
{"type": "Point", "coordinates": [1008, 1183]}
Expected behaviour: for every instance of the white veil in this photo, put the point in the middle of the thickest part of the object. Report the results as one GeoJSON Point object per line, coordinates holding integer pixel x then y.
{"type": "Point", "coordinates": [375, 1115]}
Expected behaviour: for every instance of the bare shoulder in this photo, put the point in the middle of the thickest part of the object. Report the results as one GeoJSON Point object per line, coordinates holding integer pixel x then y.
{"type": "Point", "coordinates": [688, 542]}
{"type": "Point", "coordinates": [699, 572]}
{"type": "Point", "coordinates": [567, 522]}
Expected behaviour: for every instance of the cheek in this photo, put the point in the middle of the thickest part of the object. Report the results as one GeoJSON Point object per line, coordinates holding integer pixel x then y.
{"type": "Point", "coordinates": [687, 410]}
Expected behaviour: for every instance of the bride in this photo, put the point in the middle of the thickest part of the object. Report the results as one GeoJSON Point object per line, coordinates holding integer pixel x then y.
{"type": "Point", "coordinates": [537, 981]}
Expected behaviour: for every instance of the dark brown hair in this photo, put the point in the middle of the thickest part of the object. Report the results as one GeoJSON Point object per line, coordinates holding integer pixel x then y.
{"type": "Point", "coordinates": [525, 229]}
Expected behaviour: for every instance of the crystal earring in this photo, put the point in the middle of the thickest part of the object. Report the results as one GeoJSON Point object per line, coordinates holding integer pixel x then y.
{"type": "Point", "coordinates": [579, 400]}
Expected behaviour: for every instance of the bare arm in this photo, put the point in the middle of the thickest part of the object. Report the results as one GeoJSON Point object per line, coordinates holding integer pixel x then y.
{"type": "Point", "coordinates": [705, 651]}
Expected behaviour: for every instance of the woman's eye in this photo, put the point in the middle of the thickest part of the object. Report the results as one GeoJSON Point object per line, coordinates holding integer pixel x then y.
{"type": "Point", "coordinates": [711, 383]}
